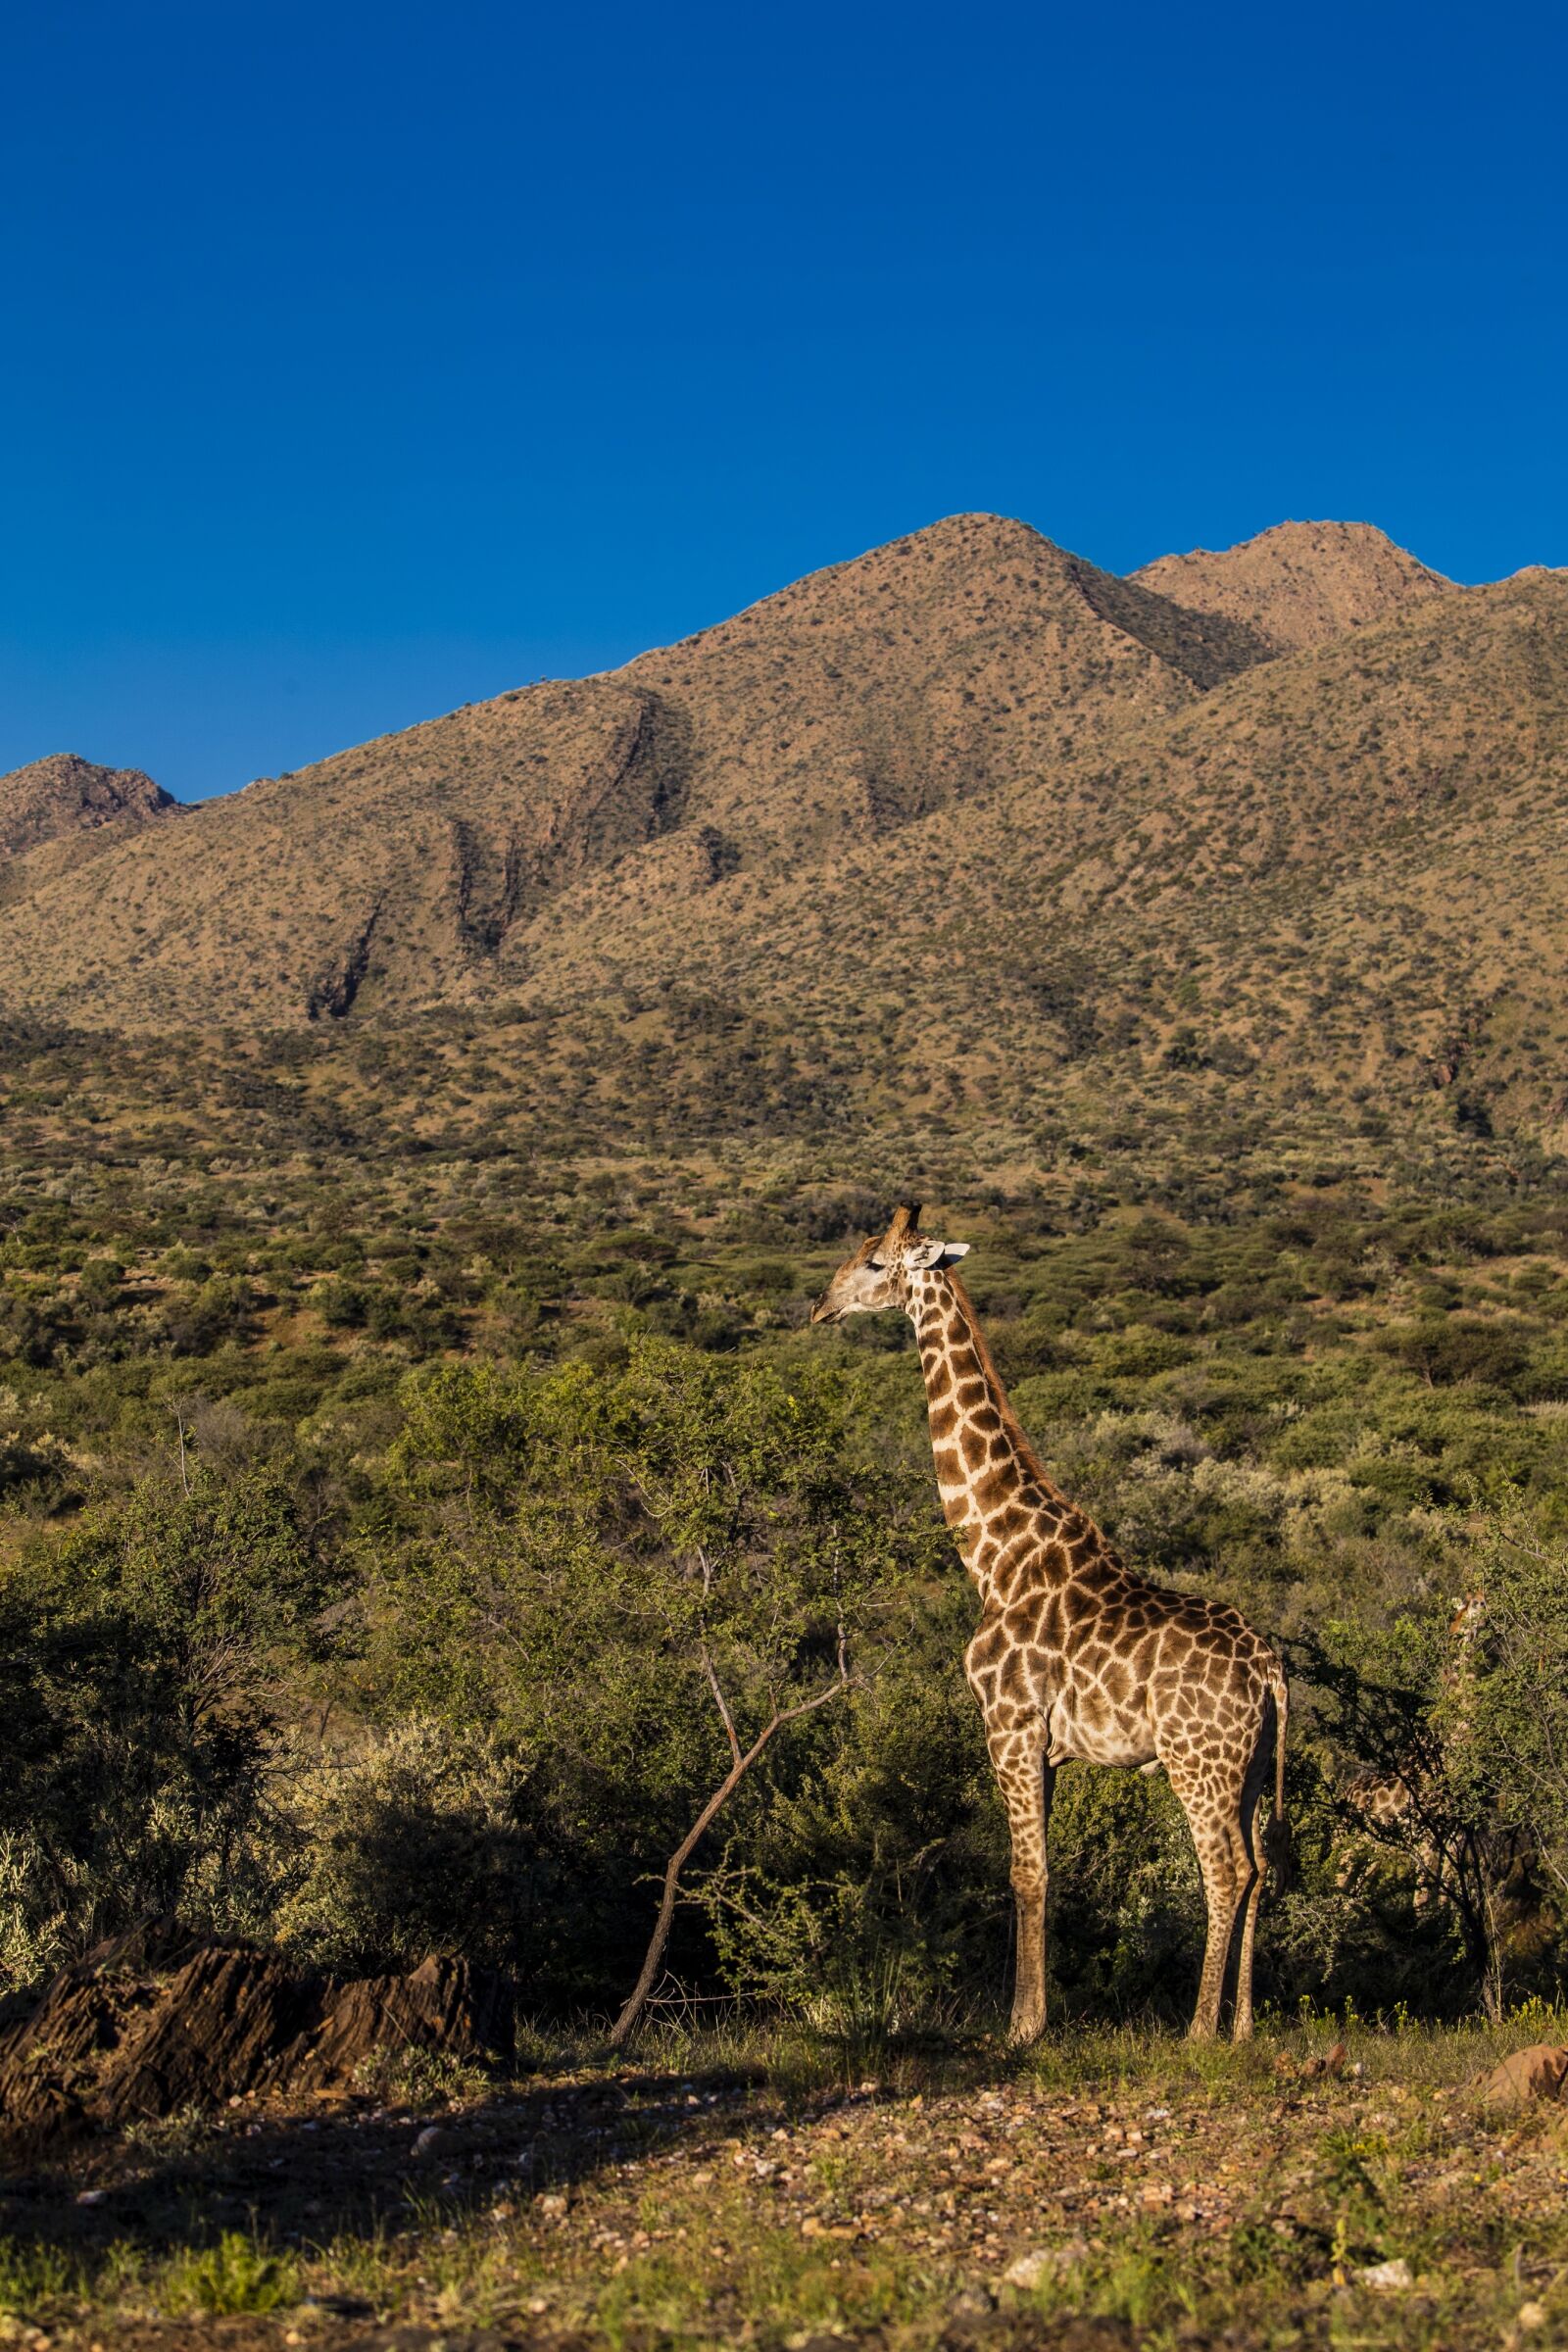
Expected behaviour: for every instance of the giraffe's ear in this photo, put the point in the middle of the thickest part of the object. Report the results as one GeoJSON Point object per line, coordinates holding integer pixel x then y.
{"type": "Point", "coordinates": [936, 1254]}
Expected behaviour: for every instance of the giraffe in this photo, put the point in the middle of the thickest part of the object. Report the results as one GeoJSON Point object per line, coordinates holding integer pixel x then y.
{"type": "Point", "coordinates": [1075, 1657]}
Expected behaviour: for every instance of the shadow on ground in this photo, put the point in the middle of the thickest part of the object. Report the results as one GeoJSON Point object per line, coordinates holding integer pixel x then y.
{"type": "Point", "coordinates": [301, 2178]}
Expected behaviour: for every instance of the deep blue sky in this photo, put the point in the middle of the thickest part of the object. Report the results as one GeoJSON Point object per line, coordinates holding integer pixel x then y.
{"type": "Point", "coordinates": [358, 360]}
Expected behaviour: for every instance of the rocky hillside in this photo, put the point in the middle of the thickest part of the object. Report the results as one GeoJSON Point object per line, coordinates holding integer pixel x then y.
{"type": "Point", "coordinates": [1344, 868]}
{"type": "Point", "coordinates": [409, 872]}
{"type": "Point", "coordinates": [931, 827]}
{"type": "Point", "coordinates": [395, 870]}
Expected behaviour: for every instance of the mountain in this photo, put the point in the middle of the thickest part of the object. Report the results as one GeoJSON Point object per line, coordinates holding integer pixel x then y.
{"type": "Point", "coordinates": [921, 675]}
{"type": "Point", "coordinates": [408, 871]}
{"type": "Point", "coordinates": [1344, 868]}
{"type": "Point", "coordinates": [58, 813]}
{"type": "Point", "coordinates": [1299, 584]}
{"type": "Point", "coordinates": [961, 827]}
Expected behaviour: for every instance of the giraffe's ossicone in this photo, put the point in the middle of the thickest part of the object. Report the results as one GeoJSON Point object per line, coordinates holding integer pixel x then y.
{"type": "Point", "coordinates": [1075, 1658]}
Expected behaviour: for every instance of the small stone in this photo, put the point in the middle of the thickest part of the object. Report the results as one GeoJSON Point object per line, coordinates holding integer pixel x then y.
{"type": "Point", "coordinates": [552, 2204]}
{"type": "Point", "coordinates": [972, 2303]}
{"type": "Point", "coordinates": [1532, 2316]}
{"type": "Point", "coordinates": [91, 2196]}
{"type": "Point", "coordinates": [1387, 2277]}
{"type": "Point", "coordinates": [435, 2140]}
{"type": "Point", "coordinates": [1030, 2269]}
{"type": "Point", "coordinates": [812, 2226]}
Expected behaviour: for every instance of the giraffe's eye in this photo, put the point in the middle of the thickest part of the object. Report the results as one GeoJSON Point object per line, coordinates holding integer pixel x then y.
{"type": "Point", "coordinates": [879, 1265]}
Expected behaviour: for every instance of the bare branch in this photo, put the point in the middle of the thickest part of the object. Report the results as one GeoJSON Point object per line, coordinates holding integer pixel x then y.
{"type": "Point", "coordinates": [621, 2030]}
{"type": "Point", "coordinates": [719, 1703]}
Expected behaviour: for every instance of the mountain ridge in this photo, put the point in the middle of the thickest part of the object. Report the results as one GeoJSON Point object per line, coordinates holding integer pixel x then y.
{"type": "Point", "coordinates": [1057, 815]}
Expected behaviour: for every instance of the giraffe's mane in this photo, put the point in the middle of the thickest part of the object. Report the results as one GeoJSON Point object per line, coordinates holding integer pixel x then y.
{"type": "Point", "coordinates": [1022, 1444]}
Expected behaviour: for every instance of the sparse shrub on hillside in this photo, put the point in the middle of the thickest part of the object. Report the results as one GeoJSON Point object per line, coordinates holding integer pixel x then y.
{"type": "Point", "coordinates": [198, 1317]}
{"type": "Point", "coordinates": [1456, 1347]}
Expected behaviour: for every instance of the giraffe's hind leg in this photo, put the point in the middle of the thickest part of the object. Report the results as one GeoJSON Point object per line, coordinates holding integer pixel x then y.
{"type": "Point", "coordinates": [1211, 1817]}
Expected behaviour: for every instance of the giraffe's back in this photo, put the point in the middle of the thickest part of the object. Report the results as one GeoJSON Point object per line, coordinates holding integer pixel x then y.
{"type": "Point", "coordinates": [1120, 1671]}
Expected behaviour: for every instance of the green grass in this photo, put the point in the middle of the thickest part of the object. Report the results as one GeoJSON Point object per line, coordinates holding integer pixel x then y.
{"type": "Point", "coordinates": [239, 2274]}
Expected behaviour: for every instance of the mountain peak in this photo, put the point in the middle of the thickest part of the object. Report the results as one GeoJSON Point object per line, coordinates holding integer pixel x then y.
{"type": "Point", "coordinates": [64, 794]}
{"type": "Point", "coordinates": [1299, 583]}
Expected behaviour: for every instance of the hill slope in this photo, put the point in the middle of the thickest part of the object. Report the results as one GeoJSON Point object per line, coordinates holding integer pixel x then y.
{"type": "Point", "coordinates": [1347, 864]}
{"type": "Point", "coordinates": [392, 869]}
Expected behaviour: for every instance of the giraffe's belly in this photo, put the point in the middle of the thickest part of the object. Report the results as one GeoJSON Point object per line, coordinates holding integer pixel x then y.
{"type": "Point", "coordinates": [1085, 1730]}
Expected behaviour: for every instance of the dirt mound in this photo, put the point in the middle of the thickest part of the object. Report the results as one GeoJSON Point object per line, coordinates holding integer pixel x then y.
{"type": "Point", "coordinates": [163, 2021]}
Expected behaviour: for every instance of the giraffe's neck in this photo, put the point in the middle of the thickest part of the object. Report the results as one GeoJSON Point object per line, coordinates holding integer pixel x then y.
{"type": "Point", "coordinates": [993, 1488]}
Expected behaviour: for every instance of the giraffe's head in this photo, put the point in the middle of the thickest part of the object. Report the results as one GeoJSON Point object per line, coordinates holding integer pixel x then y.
{"type": "Point", "coordinates": [877, 1275]}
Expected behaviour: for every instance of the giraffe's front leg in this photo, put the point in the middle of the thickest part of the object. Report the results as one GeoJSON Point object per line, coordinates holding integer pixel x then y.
{"type": "Point", "coordinates": [1025, 1779]}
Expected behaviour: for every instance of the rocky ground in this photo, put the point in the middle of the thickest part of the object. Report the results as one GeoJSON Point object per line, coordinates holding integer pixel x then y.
{"type": "Point", "coordinates": [1104, 2192]}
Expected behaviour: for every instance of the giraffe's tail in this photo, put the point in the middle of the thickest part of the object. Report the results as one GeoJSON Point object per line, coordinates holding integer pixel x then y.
{"type": "Point", "coordinates": [1279, 1851]}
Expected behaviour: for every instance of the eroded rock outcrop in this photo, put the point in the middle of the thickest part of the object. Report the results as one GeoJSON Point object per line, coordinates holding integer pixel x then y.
{"type": "Point", "coordinates": [161, 2021]}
